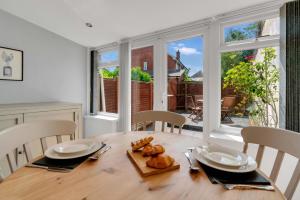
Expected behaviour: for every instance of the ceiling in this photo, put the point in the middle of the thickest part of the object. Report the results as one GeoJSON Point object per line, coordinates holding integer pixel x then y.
{"type": "Point", "coordinates": [115, 19]}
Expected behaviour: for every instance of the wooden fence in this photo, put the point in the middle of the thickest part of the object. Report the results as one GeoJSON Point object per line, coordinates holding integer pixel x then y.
{"type": "Point", "coordinates": [142, 94]}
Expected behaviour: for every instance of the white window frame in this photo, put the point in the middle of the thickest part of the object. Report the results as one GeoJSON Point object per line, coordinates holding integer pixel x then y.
{"type": "Point", "coordinates": [107, 65]}
{"type": "Point", "coordinates": [249, 43]}
{"type": "Point", "coordinates": [263, 42]}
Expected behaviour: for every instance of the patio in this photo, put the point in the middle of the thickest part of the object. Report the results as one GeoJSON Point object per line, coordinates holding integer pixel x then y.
{"type": "Point", "coordinates": [197, 125]}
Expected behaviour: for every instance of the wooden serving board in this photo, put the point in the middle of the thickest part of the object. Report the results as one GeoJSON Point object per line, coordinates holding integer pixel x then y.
{"type": "Point", "coordinates": [140, 163]}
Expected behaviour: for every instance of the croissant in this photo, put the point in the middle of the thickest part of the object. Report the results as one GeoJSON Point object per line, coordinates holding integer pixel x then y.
{"type": "Point", "coordinates": [147, 150]}
{"type": "Point", "coordinates": [141, 143]}
{"type": "Point", "coordinates": [150, 150]}
{"type": "Point", "coordinates": [160, 161]}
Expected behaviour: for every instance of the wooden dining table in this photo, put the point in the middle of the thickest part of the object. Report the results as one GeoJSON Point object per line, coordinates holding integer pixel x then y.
{"type": "Point", "coordinates": [114, 177]}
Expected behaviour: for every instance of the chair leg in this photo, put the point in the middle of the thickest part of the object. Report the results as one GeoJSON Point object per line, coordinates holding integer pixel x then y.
{"type": "Point", "coordinates": [227, 115]}
{"type": "Point", "coordinates": [192, 113]}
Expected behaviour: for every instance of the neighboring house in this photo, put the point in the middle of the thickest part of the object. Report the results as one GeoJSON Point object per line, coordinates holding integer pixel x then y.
{"type": "Point", "coordinates": [198, 76]}
{"type": "Point", "coordinates": [143, 57]}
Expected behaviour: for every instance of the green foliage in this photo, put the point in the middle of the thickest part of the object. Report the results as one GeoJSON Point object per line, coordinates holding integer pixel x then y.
{"type": "Point", "coordinates": [186, 76]}
{"type": "Point", "coordinates": [229, 60]}
{"type": "Point", "coordinates": [234, 35]}
{"type": "Point", "coordinates": [136, 74]}
{"type": "Point", "coordinates": [251, 30]}
{"type": "Point", "coordinates": [105, 73]}
{"type": "Point", "coordinates": [257, 81]}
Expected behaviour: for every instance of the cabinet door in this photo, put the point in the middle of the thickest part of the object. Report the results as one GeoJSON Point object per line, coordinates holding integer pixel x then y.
{"type": "Point", "coordinates": [7, 121]}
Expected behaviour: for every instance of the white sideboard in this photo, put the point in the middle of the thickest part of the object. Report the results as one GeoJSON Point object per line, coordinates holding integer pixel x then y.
{"type": "Point", "coordinates": [13, 114]}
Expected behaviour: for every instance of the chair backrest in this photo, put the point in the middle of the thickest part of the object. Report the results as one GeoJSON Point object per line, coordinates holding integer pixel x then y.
{"type": "Point", "coordinates": [197, 100]}
{"type": "Point", "coordinates": [284, 141]}
{"type": "Point", "coordinates": [229, 101]}
{"type": "Point", "coordinates": [20, 135]}
{"type": "Point", "coordinates": [159, 116]}
{"type": "Point", "coordinates": [190, 102]}
{"type": "Point", "coordinates": [198, 97]}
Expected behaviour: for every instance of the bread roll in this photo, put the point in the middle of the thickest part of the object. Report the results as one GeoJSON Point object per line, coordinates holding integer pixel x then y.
{"type": "Point", "coordinates": [160, 161]}
{"type": "Point", "coordinates": [150, 150]}
{"type": "Point", "coordinates": [141, 143]}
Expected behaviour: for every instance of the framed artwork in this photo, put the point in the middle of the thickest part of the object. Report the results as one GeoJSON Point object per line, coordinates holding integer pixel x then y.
{"type": "Point", "coordinates": [11, 64]}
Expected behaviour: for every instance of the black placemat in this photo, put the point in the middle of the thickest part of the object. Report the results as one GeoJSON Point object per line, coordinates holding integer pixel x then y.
{"type": "Point", "coordinates": [249, 178]}
{"type": "Point", "coordinates": [57, 163]}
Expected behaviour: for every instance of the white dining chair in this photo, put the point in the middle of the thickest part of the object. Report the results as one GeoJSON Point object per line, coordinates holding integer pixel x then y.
{"type": "Point", "coordinates": [145, 117]}
{"type": "Point", "coordinates": [284, 141]}
{"type": "Point", "coordinates": [21, 135]}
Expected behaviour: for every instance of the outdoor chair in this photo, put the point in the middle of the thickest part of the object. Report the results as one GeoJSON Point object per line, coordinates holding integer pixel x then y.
{"type": "Point", "coordinates": [198, 100]}
{"type": "Point", "coordinates": [227, 108]}
{"type": "Point", "coordinates": [196, 111]}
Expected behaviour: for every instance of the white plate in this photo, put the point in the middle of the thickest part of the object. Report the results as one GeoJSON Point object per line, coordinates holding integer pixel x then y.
{"type": "Point", "coordinates": [70, 148]}
{"type": "Point", "coordinates": [224, 156]}
{"type": "Point", "coordinates": [93, 147]}
{"type": "Point", "coordinates": [249, 167]}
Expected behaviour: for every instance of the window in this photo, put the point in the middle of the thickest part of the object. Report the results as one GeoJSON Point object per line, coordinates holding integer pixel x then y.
{"type": "Point", "coordinates": [251, 30]}
{"type": "Point", "coordinates": [109, 58]}
{"type": "Point", "coordinates": [108, 71]}
{"type": "Point", "coordinates": [145, 66]}
{"type": "Point", "coordinates": [250, 74]}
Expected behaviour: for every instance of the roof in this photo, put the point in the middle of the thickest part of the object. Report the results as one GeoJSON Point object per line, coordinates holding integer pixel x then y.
{"type": "Point", "coordinates": [176, 73]}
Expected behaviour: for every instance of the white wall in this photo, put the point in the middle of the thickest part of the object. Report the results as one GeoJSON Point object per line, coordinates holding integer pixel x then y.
{"type": "Point", "coordinates": [54, 67]}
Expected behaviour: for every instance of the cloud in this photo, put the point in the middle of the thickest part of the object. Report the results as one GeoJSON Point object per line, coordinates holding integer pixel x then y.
{"type": "Point", "coordinates": [187, 50]}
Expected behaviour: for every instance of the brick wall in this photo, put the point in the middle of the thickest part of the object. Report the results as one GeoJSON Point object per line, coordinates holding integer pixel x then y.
{"type": "Point", "coordinates": [145, 54]}
{"type": "Point", "coordinates": [141, 55]}
{"type": "Point", "coordinates": [171, 63]}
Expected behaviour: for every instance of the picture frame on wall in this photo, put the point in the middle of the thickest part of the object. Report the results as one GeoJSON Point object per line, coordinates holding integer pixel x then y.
{"type": "Point", "coordinates": [11, 64]}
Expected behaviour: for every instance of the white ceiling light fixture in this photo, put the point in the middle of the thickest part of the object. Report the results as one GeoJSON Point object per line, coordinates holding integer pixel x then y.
{"type": "Point", "coordinates": [89, 24]}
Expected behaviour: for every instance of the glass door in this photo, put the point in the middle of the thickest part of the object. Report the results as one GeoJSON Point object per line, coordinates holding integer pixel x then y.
{"type": "Point", "coordinates": [142, 66]}
{"type": "Point", "coordinates": [185, 80]}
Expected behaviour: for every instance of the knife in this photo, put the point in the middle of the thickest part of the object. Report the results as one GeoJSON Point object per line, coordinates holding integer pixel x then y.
{"type": "Point", "coordinates": [244, 186]}
{"type": "Point", "coordinates": [94, 155]}
{"type": "Point", "coordinates": [54, 169]}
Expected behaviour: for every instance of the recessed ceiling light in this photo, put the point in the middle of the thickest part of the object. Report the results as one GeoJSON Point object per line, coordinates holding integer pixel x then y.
{"type": "Point", "coordinates": [89, 25]}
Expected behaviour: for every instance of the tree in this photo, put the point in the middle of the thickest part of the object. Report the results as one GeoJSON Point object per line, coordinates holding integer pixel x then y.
{"type": "Point", "coordinates": [257, 81]}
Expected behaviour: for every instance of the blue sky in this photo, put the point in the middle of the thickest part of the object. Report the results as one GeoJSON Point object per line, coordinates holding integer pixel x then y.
{"type": "Point", "coordinates": [191, 53]}
{"type": "Point", "coordinates": [109, 56]}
